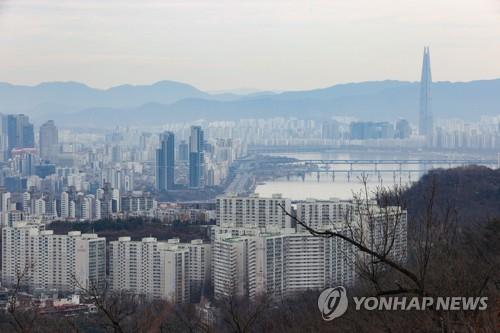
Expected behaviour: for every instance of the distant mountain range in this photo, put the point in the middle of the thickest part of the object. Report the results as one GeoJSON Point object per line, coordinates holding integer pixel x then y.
{"type": "Point", "coordinates": [72, 103]}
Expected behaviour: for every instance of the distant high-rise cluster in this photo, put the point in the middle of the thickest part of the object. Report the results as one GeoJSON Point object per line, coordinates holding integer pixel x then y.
{"type": "Point", "coordinates": [16, 132]}
{"type": "Point", "coordinates": [20, 132]}
{"type": "Point", "coordinates": [192, 153]}
{"type": "Point", "coordinates": [426, 118]}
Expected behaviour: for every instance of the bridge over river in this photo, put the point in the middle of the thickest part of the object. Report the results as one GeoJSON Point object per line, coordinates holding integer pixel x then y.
{"type": "Point", "coordinates": [379, 167]}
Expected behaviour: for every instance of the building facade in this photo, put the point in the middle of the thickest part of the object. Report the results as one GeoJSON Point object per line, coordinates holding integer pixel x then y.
{"type": "Point", "coordinates": [196, 158]}
{"type": "Point", "coordinates": [40, 259]}
{"type": "Point", "coordinates": [165, 162]}
{"type": "Point", "coordinates": [49, 140]}
{"type": "Point", "coordinates": [158, 269]}
{"type": "Point", "coordinates": [253, 211]}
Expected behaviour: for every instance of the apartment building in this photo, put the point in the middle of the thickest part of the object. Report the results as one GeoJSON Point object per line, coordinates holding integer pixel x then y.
{"type": "Point", "coordinates": [200, 268]}
{"type": "Point", "coordinates": [323, 214]}
{"type": "Point", "coordinates": [41, 259]}
{"type": "Point", "coordinates": [279, 263]}
{"type": "Point", "coordinates": [234, 266]}
{"type": "Point", "coordinates": [253, 211]}
{"type": "Point", "coordinates": [166, 270]}
{"type": "Point", "coordinates": [382, 226]}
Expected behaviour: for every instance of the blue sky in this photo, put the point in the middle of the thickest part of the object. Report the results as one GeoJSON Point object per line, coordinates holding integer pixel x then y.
{"type": "Point", "coordinates": [224, 44]}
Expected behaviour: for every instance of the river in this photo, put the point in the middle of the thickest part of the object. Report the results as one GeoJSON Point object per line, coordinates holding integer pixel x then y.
{"type": "Point", "coordinates": [342, 185]}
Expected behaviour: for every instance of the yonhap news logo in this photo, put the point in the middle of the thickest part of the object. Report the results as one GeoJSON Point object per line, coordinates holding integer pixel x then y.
{"type": "Point", "coordinates": [333, 303]}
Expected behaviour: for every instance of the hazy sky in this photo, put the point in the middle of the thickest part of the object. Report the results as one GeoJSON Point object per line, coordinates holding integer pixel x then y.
{"type": "Point", "coordinates": [265, 44]}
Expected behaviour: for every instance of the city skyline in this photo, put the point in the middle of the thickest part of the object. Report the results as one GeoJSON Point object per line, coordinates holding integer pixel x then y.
{"type": "Point", "coordinates": [249, 166]}
{"type": "Point", "coordinates": [256, 45]}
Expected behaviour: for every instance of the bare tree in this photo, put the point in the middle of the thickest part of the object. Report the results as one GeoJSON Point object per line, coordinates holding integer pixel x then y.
{"type": "Point", "coordinates": [122, 312]}
{"type": "Point", "coordinates": [239, 315]}
{"type": "Point", "coordinates": [372, 225]}
{"type": "Point", "coordinates": [22, 317]}
{"type": "Point", "coordinates": [442, 257]}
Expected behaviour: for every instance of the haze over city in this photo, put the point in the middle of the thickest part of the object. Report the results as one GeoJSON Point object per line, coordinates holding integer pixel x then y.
{"type": "Point", "coordinates": [226, 45]}
{"type": "Point", "coordinates": [250, 166]}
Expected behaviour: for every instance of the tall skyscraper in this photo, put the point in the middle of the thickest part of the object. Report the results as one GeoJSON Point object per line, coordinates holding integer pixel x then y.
{"type": "Point", "coordinates": [165, 162]}
{"type": "Point", "coordinates": [49, 139]}
{"type": "Point", "coordinates": [196, 160]}
{"type": "Point", "coordinates": [4, 153]}
{"type": "Point", "coordinates": [20, 132]}
{"type": "Point", "coordinates": [426, 121]}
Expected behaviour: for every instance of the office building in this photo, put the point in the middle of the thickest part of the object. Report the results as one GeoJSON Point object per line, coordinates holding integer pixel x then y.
{"type": "Point", "coordinates": [4, 137]}
{"type": "Point", "coordinates": [20, 132]}
{"type": "Point", "coordinates": [403, 129]}
{"type": "Point", "coordinates": [165, 162]}
{"type": "Point", "coordinates": [49, 140]}
{"type": "Point", "coordinates": [196, 158]}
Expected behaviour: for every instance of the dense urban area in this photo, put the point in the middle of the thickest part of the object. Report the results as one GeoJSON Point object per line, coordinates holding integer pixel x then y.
{"type": "Point", "coordinates": [238, 225]}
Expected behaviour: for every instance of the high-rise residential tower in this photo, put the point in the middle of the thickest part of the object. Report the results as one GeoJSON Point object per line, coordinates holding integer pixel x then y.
{"type": "Point", "coordinates": [426, 119]}
{"type": "Point", "coordinates": [49, 138]}
{"type": "Point", "coordinates": [253, 211]}
{"type": "Point", "coordinates": [165, 162]}
{"type": "Point", "coordinates": [151, 268]}
{"type": "Point", "coordinates": [49, 261]}
{"type": "Point", "coordinates": [196, 159]}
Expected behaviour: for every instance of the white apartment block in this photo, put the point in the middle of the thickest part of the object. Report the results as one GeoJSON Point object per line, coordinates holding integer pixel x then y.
{"type": "Point", "coordinates": [316, 263]}
{"type": "Point", "coordinates": [132, 266]}
{"type": "Point", "coordinates": [88, 207]}
{"type": "Point", "coordinates": [49, 261]}
{"type": "Point", "coordinates": [323, 214]}
{"type": "Point", "coordinates": [65, 207]}
{"type": "Point", "coordinates": [174, 271]}
{"type": "Point", "coordinates": [234, 266]}
{"type": "Point", "coordinates": [5, 207]}
{"type": "Point", "coordinates": [159, 269]}
{"type": "Point", "coordinates": [279, 263]}
{"type": "Point", "coordinates": [253, 211]}
{"type": "Point", "coordinates": [200, 268]}
{"type": "Point", "coordinates": [378, 223]}
{"type": "Point", "coordinates": [385, 230]}
{"type": "Point", "coordinates": [18, 253]}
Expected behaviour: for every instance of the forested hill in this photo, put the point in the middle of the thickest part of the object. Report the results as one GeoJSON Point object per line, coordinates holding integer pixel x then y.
{"type": "Point", "coordinates": [473, 191]}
